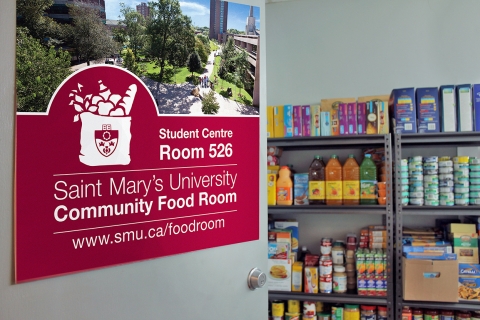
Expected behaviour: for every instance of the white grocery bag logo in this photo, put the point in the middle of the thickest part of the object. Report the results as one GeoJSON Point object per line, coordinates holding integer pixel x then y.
{"type": "Point", "coordinates": [105, 135]}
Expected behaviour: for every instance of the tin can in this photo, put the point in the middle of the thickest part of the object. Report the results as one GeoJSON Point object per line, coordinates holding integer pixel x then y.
{"type": "Point", "coordinates": [474, 174]}
{"type": "Point", "coordinates": [431, 197]}
{"type": "Point", "coordinates": [404, 168]}
{"type": "Point", "coordinates": [417, 201]}
{"type": "Point", "coordinates": [462, 202]}
{"type": "Point", "coordinates": [323, 316]}
{"type": "Point", "coordinates": [405, 181]}
{"type": "Point", "coordinates": [430, 185]}
{"type": "Point", "coordinates": [475, 181]}
{"type": "Point", "coordinates": [430, 166]}
{"type": "Point", "coordinates": [416, 195]}
{"type": "Point", "coordinates": [445, 170]}
{"type": "Point", "coordinates": [446, 163]}
{"type": "Point", "coordinates": [474, 160]}
{"type": "Point", "coordinates": [430, 171]}
{"type": "Point", "coordinates": [278, 308]}
{"type": "Point", "coordinates": [326, 284]}
{"type": "Point", "coordinates": [326, 246]}
{"type": "Point", "coordinates": [447, 196]}
{"type": "Point", "coordinates": [416, 183]}
{"type": "Point", "coordinates": [293, 316]}
{"type": "Point", "coordinates": [416, 178]}
{"type": "Point", "coordinates": [293, 306]}
{"type": "Point", "coordinates": [461, 159]}
{"type": "Point", "coordinates": [460, 166]}
{"type": "Point", "coordinates": [326, 266]}
{"type": "Point", "coordinates": [431, 202]}
{"type": "Point", "coordinates": [475, 167]}
{"type": "Point", "coordinates": [461, 190]}
{"type": "Point", "coordinates": [445, 177]}
{"type": "Point", "coordinates": [415, 159]}
{"type": "Point", "coordinates": [309, 309]}
{"type": "Point", "coordinates": [432, 178]}
{"type": "Point", "coordinates": [446, 183]}
{"type": "Point", "coordinates": [475, 202]}
{"type": "Point", "coordinates": [447, 203]}
{"type": "Point", "coordinates": [431, 190]}
{"type": "Point", "coordinates": [318, 306]}
{"type": "Point", "coordinates": [404, 162]}
{"type": "Point", "coordinates": [474, 187]}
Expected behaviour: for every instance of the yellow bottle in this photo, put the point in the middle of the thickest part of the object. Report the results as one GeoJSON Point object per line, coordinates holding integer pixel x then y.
{"type": "Point", "coordinates": [351, 181]}
{"type": "Point", "coordinates": [333, 181]}
{"type": "Point", "coordinates": [284, 187]}
{"type": "Point", "coordinates": [272, 189]}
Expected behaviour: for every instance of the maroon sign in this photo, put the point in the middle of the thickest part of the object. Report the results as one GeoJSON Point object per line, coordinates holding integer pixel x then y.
{"type": "Point", "coordinates": [102, 179]}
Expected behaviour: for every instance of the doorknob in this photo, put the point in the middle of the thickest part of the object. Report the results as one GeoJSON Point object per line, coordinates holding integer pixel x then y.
{"type": "Point", "coordinates": [256, 279]}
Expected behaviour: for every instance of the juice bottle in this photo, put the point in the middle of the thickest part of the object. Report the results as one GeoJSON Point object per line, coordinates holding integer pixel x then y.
{"type": "Point", "coordinates": [333, 181]}
{"type": "Point", "coordinates": [368, 181]}
{"type": "Point", "coordinates": [284, 187]}
{"type": "Point", "coordinates": [316, 181]}
{"type": "Point", "coordinates": [351, 181]}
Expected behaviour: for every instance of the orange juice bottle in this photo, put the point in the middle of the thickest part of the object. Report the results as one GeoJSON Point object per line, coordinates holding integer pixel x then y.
{"type": "Point", "coordinates": [333, 181]}
{"type": "Point", "coordinates": [284, 187]}
{"type": "Point", "coordinates": [351, 181]}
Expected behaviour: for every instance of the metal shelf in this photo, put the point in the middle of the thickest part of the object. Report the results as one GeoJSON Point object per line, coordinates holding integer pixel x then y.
{"type": "Point", "coordinates": [441, 139]}
{"type": "Point", "coordinates": [325, 297]}
{"type": "Point", "coordinates": [324, 209]}
{"type": "Point", "coordinates": [331, 142]}
{"type": "Point", "coordinates": [440, 210]}
{"type": "Point", "coordinates": [464, 305]}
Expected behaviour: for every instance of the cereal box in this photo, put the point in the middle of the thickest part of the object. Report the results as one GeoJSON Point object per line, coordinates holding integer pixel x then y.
{"type": "Point", "coordinates": [468, 281]}
{"type": "Point", "coordinates": [403, 110]}
{"type": "Point", "coordinates": [297, 121]}
{"type": "Point", "coordinates": [325, 128]}
{"type": "Point", "coordinates": [428, 115]}
{"type": "Point", "coordinates": [448, 109]}
{"type": "Point", "coordinates": [352, 118]}
{"type": "Point", "coordinates": [383, 117]}
{"type": "Point", "coordinates": [464, 108]}
{"type": "Point", "coordinates": [300, 188]}
{"type": "Point", "coordinates": [270, 132]}
{"type": "Point", "coordinates": [315, 120]}
{"type": "Point", "coordinates": [288, 120]}
{"type": "Point", "coordinates": [361, 117]}
{"type": "Point", "coordinates": [476, 105]}
{"type": "Point", "coordinates": [293, 227]}
{"type": "Point", "coordinates": [278, 126]}
{"type": "Point", "coordinates": [372, 117]}
{"type": "Point", "coordinates": [279, 274]}
{"type": "Point", "coordinates": [331, 106]}
{"type": "Point", "coordinates": [343, 118]}
{"type": "Point", "coordinates": [306, 121]}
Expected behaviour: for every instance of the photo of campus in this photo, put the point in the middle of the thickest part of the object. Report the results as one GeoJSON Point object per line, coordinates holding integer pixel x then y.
{"type": "Point", "coordinates": [198, 57]}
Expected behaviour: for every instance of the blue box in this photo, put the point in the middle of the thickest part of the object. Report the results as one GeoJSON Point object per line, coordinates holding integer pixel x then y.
{"type": "Point", "coordinates": [428, 115]}
{"type": "Point", "coordinates": [431, 256]}
{"type": "Point", "coordinates": [467, 269]}
{"type": "Point", "coordinates": [476, 105]}
{"type": "Point", "coordinates": [288, 120]}
{"type": "Point", "coordinates": [403, 110]}
{"type": "Point", "coordinates": [448, 108]}
{"type": "Point", "coordinates": [464, 108]}
{"type": "Point", "coordinates": [325, 124]}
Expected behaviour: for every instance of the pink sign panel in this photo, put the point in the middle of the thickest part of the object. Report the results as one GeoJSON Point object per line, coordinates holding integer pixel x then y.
{"type": "Point", "coordinates": [102, 179]}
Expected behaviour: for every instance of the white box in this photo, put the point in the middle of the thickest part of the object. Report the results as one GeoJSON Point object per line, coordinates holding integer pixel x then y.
{"type": "Point", "coordinates": [279, 275]}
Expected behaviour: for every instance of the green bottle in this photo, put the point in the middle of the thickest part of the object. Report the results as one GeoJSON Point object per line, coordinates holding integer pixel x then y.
{"type": "Point", "coordinates": [368, 181]}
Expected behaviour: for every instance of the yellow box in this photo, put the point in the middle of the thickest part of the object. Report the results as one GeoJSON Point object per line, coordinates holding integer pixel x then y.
{"type": "Point", "coordinates": [272, 189]}
{"type": "Point", "coordinates": [278, 124]}
{"type": "Point", "coordinates": [315, 120]}
{"type": "Point", "coordinates": [270, 132]}
{"type": "Point", "coordinates": [297, 276]}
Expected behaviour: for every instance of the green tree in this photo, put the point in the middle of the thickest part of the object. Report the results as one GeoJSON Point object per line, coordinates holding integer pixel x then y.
{"type": "Point", "coordinates": [210, 104]}
{"type": "Point", "coordinates": [164, 28]}
{"type": "Point", "coordinates": [193, 62]}
{"type": "Point", "coordinates": [134, 30]}
{"type": "Point", "coordinates": [40, 71]}
{"type": "Point", "coordinates": [91, 38]}
{"type": "Point", "coordinates": [31, 14]}
{"type": "Point", "coordinates": [130, 62]}
{"type": "Point", "coordinates": [241, 69]}
{"type": "Point", "coordinates": [202, 51]}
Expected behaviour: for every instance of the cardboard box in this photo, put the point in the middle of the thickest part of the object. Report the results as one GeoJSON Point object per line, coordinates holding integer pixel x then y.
{"type": "Point", "coordinates": [279, 275]}
{"type": "Point", "coordinates": [310, 279]}
{"type": "Point", "coordinates": [300, 188]}
{"type": "Point", "coordinates": [428, 280]}
{"type": "Point", "coordinates": [464, 108]}
{"type": "Point", "coordinates": [352, 118]}
{"type": "Point", "coordinates": [361, 117]}
{"type": "Point", "coordinates": [476, 106]}
{"type": "Point", "coordinates": [306, 121]}
{"type": "Point", "coordinates": [293, 227]}
{"type": "Point", "coordinates": [428, 116]}
{"type": "Point", "coordinates": [461, 227]}
{"type": "Point", "coordinates": [465, 245]}
{"type": "Point", "coordinates": [331, 106]}
{"type": "Point", "coordinates": [297, 121]}
{"type": "Point", "coordinates": [448, 109]}
{"type": "Point", "coordinates": [278, 126]}
{"type": "Point", "coordinates": [272, 189]}
{"type": "Point", "coordinates": [343, 118]}
{"type": "Point", "coordinates": [288, 120]}
{"type": "Point", "coordinates": [297, 276]}
{"type": "Point", "coordinates": [383, 117]}
{"type": "Point", "coordinates": [468, 282]}
{"type": "Point", "coordinates": [270, 132]}
{"type": "Point", "coordinates": [325, 127]}
{"type": "Point", "coordinates": [315, 120]}
{"type": "Point", "coordinates": [403, 110]}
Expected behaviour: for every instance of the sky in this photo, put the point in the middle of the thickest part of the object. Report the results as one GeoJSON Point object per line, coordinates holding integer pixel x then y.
{"type": "Point", "coordinates": [198, 10]}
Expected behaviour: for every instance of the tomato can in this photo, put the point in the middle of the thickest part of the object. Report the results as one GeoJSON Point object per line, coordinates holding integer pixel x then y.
{"type": "Point", "coordinates": [326, 246]}
{"type": "Point", "coordinates": [326, 284]}
{"type": "Point", "coordinates": [309, 308]}
{"type": "Point", "coordinates": [326, 266]}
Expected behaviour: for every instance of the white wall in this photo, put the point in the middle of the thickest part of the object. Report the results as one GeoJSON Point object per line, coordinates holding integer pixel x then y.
{"type": "Point", "coordinates": [184, 286]}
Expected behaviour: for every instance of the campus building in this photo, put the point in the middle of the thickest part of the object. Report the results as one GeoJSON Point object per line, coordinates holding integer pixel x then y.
{"type": "Point", "coordinates": [59, 10]}
{"type": "Point", "coordinates": [143, 9]}
{"type": "Point", "coordinates": [218, 19]}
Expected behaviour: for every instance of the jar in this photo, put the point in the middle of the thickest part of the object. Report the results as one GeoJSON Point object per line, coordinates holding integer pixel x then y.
{"type": "Point", "coordinates": [368, 312]}
{"type": "Point", "coordinates": [338, 253]}
{"type": "Point", "coordinates": [351, 312]}
{"type": "Point", "coordinates": [382, 313]}
{"type": "Point", "coordinates": [339, 279]}
{"type": "Point", "coordinates": [447, 315]}
{"type": "Point", "coordinates": [294, 306]}
{"type": "Point", "coordinates": [417, 314]}
{"type": "Point", "coordinates": [351, 285]}
{"type": "Point", "coordinates": [278, 308]}
{"type": "Point", "coordinates": [325, 266]}
{"type": "Point", "coordinates": [309, 308]}
{"type": "Point", "coordinates": [475, 315]}
{"type": "Point", "coordinates": [406, 313]}
{"type": "Point", "coordinates": [326, 246]}
{"type": "Point", "coordinates": [463, 315]}
{"type": "Point", "coordinates": [325, 284]}
{"type": "Point", "coordinates": [431, 315]}
{"type": "Point", "coordinates": [350, 256]}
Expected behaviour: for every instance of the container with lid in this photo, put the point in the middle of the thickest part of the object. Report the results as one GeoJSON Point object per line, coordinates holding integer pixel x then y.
{"type": "Point", "coordinates": [417, 314]}
{"type": "Point", "coordinates": [406, 313]}
{"type": "Point", "coordinates": [447, 315]}
{"type": "Point", "coordinates": [368, 313]}
{"type": "Point", "coordinates": [382, 313]}
{"type": "Point", "coordinates": [351, 312]}
{"type": "Point", "coordinates": [338, 252]}
{"type": "Point", "coordinates": [463, 315]}
{"type": "Point", "coordinates": [339, 279]}
{"type": "Point", "coordinates": [431, 315]}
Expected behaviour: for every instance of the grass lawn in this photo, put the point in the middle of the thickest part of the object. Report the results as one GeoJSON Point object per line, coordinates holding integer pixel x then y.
{"type": "Point", "coordinates": [178, 76]}
{"type": "Point", "coordinates": [213, 46]}
{"type": "Point", "coordinates": [222, 85]}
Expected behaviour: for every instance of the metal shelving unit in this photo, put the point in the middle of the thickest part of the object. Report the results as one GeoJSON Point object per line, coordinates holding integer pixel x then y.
{"type": "Point", "coordinates": [432, 140]}
{"type": "Point", "coordinates": [345, 142]}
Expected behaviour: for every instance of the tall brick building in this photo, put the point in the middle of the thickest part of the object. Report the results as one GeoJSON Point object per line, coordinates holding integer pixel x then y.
{"type": "Point", "coordinates": [218, 19]}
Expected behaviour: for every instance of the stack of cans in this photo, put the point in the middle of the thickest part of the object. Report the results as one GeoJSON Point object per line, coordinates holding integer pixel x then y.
{"type": "Point", "coordinates": [430, 181]}
{"type": "Point", "coordinates": [415, 176]}
{"type": "Point", "coordinates": [461, 179]}
{"type": "Point", "coordinates": [404, 181]}
{"type": "Point", "coordinates": [445, 181]}
{"type": "Point", "coordinates": [474, 181]}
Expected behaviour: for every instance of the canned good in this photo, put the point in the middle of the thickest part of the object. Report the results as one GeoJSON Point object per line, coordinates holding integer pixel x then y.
{"type": "Point", "coordinates": [323, 316]}
{"type": "Point", "coordinates": [416, 194]}
{"type": "Point", "coordinates": [460, 166]}
{"type": "Point", "coordinates": [404, 162]}
{"type": "Point", "coordinates": [326, 246]}
{"type": "Point", "coordinates": [431, 190]}
{"type": "Point", "coordinates": [461, 159]}
{"type": "Point", "coordinates": [293, 306]}
{"type": "Point", "coordinates": [404, 187]}
{"type": "Point", "coordinates": [309, 308]}
{"type": "Point", "coordinates": [293, 316]}
{"type": "Point", "coordinates": [430, 159]}
{"type": "Point", "coordinates": [474, 181]}
{"type": "Point", "coordinates": [474, 160]}
{"type": "Point", "coordinates": [415, 166]}
{"type": "Point", "coordinates": [445, 170]}
{"type": "Point", "coordinates": [430, 185]}
{"type": "Point", "coordinates": [445, 158]}
{"type": "Point", "coordinates": [462, 184]}
{"type": "Point", "coordinates": [432, 178]}
{"type": "Point", "coordinates": [405, 201]}
{"type": "Point", "coordinates": [404, 181]}
{"type": "Point", "coordinates": [462, 202]}
{"type": "Point", "coordinates": [474, 187]}
{"type": "Point", "coordinates": [445, 176]}
{"type": "Point", "coordinates": [447, 202]}
{"type": "Point", "coordinates": [475, 167]}
{"type": "Point", "coordinates": [430, 166]}
{"type": "Point", "coordinates": [278, 308]}
{"type": "Point", "coordinates": [447, 163]}
{"type": "Point", "coordinates": [404, 168]}
{"type": "Point", "coordinates": [416, 189]}
{"type": "Point", "coordinates": [461, 190]}
{"type": "Point", "coordinates": [415, 159]}
{"type": "Point", "coordinates": [318, 306]}
{"type": "Point", "coordinates": [416, 178]}
{"type": "Point", "coordinates": [448, 183]}
{"type": "Point", "coordinates": [461, 179]}
{"type": "Point", "coordinates": [415, 172]}
{"type": "Point", "coordinates": [416, 184]}
{"type": "Point", "coordinates": [447, 315]}
{"type": "Point", "coordinates": [474, 195]}
{"type": "Point", "coordinates": [447, 196]}
{"type": "Point", "coordinates": [417, 201]}
{"type": "Point", "coordinates": [431, 202]}
{"type": "Point", "coordinates": [474, 174]}
{"type": "Point", "coordinates": [430, 171]}
{"type": "Point", "coordinates": [406, 193]}
{"type": "Point", "coordinates": [404, 174]}
{"type": "Point", "coordinates": [431, 197]}
{"type": "Point", "coordinates": [326, 284]}
{"type": "Point", "coordinates": [475, 202]}
{"type": "Point", "coordinates": [445, 189]}
{"type": "Point", "coordinates": [461, 172]}
{"type": "Point", "coordinates": [326, 266]}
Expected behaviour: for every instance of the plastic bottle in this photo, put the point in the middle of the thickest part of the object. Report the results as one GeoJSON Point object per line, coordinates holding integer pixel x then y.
{"type": "Point", "coordinates": [351, 181]}
{"type": "Point", "coordinates": [368, 181]}
{"type": "Point", "coordinates": [333, 181]}
{"type": "Point", "coordinates": [316, 181]}
{"type": "Point", "coordinates": [284, 187]}
{"type": "Point", "coordinates": [303, 253]}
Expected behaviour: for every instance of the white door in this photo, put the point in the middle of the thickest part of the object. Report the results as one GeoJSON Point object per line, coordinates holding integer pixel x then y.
{"type": "Point", "coordinates": [206, 284]}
